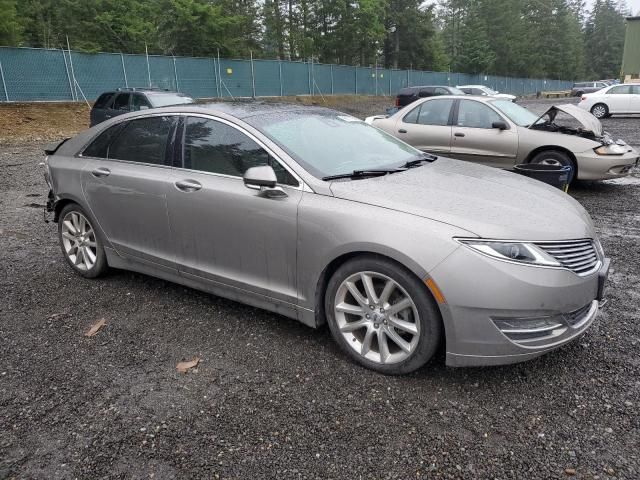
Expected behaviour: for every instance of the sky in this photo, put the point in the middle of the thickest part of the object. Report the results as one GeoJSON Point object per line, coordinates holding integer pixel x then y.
{"type": "Point", "coordinates": [634, 5]}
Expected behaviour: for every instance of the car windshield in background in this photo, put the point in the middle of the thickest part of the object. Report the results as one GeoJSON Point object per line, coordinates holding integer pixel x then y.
{"type": "Point", "coordinates": [489, 91]}
{"type": "Point", "coordinates": [165, 100]}
{"type": "Point", "coordinates": [456, 91]}
{"type": "Point", "coordinates": [329, 144]}
{"type": "Point", "coordinates": [517, 114]}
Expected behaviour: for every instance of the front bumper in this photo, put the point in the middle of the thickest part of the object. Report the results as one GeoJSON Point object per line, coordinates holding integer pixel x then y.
{"type": "Point", "coordinates": [490, 291]}
{"type": "Point", "coordinates": [592, 166]}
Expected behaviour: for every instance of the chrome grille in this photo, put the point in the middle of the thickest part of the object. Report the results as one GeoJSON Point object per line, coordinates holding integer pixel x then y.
{"type": "Point", "coordinates": [579, 256]}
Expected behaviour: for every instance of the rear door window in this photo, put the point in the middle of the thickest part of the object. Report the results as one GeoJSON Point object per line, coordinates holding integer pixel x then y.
{"type": "Point", "coordinates": [620, 90]}
{"type": "Point", "coordinates": [99, 148]}
{"type": "Point", "coordinates": [435, 112]}
{"type": "Point", "coordinates": [412, 116]}
{"type": "Point", "coordinates": [103, 100]}
{"type": "Point", "coordinates": [215, 147]}
{"type": "Point", "coordinates": [143, 140]}
{"type": "Point", "coordinates": [121, 102]}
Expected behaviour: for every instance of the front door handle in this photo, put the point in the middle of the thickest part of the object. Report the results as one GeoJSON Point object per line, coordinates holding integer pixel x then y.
{"type": "Point", "coordinates": [459, 134]}
{"type": "Point", "coordinates": [101, 172]}
{"type": "Point", "coordinates": [402, 130]}
{"type": "Point", "coordinates": [188, 185]}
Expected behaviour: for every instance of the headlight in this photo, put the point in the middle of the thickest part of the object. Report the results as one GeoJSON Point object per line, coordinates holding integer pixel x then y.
{"type": "Point", "coordinates": [526, 253]}
{"type": "Point", "coordinates": [613, 149]}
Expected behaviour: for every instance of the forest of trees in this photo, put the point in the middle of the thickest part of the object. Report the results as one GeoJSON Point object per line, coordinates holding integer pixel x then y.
{"type": "Point", "coordinates": [532, 38]}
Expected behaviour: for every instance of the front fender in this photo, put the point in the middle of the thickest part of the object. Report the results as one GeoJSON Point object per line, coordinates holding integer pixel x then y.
{"type": "Point", "coordinates": [330, 228]}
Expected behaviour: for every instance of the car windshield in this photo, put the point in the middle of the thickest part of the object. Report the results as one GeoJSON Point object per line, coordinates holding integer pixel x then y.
{"type": "Point", "coordinates": [456, 91]}
{"type": "Point", "coordinates": [328, 144]}
{"type": "Point", "coordinates": [164, 100]}
{"type": "Point", "coordinates": [489, 91]}
{"type": "Point", "coordinates": [517, 114]}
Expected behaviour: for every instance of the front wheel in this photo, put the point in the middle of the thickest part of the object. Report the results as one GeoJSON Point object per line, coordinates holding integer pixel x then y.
{"type": "Point", "coordinates": [600, 110]}
{"type": "Point", "coordinates": [557, 158]}
{"type": "Point", "coordinates": [382, 315]}
{"type": "Point", "coordinates": [80, 243]}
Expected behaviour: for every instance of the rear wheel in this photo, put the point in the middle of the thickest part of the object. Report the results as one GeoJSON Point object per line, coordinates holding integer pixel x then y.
{"type": "Point", "coordinates": [600, 110]}
{"type": "Point", "coordinates": [382, 315]}
{"type": "Point", "coordinates": [557, 158]}
{"type": "Point", "coordinates": [80, 243]}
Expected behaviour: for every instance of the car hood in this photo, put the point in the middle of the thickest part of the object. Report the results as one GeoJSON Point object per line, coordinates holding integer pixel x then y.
{"type": "Point", "coordinates": [588, 121]}
{"type": "Point", "coordinates": [487, 202]}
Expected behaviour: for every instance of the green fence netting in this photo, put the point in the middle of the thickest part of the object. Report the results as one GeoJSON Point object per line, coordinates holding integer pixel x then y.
{"type": "Point", "coordinates": [32, 74]}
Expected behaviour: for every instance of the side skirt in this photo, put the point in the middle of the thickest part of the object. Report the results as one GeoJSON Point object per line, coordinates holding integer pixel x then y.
{"type": "Point", "coordinates": [222, 290]}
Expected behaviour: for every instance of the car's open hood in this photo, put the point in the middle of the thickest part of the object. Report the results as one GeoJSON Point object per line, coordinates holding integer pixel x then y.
{"type": "Point", "coordinates": [489, 202]}
{"type": "Point", "coordinates": [588, 121]}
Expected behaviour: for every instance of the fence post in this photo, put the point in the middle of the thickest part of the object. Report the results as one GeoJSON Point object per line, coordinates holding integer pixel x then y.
{"type": "Point", "coordinates": [331, 71]}
{"type": "Point", "coordinates": [73, 75]}
{"type": "Point", "coordinates": [280, 75]}
{"type": "Point", "coordinates": [253, 77]}
{"type": "Point", "coordinates": [3, 82]}
{"type": "Point", "coordinates": [309, 66]}
{"type": "Point", "coordinates": [124, 71]}
{"type": "Point", "coordinates": [66, 67]}
{"type": "Point", "coordinates": [175, 73]}
{"type": "Point", "coordinates": [355, 70]}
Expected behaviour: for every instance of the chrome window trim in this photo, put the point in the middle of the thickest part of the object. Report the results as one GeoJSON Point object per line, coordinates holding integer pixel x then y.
{"type": "Point", "coordinates": [595, 268]}
{"type": "Point", "coordinates": [260, 143]}
{"type": "Point", "coordinates": [302, 185]}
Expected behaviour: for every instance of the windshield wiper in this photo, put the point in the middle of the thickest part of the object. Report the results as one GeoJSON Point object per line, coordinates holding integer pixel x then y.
{"type": "Point", "coordinates": [377, 172]}
{"type": "Point", "coordinates": [426, 157]}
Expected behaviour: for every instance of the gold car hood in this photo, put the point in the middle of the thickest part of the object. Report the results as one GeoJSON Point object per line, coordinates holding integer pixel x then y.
{"type": "Point", "coordinates": [588, 121]}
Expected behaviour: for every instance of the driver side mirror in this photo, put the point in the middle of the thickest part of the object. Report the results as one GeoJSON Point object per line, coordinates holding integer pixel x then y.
{"type": "Point", "coordinates": [500, 125]}
{"type": "Point", "coordinates": [263, 178]}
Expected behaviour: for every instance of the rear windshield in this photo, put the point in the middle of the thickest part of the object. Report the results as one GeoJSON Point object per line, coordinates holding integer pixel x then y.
{"type": "Point", "coordinates": [456, 91]}
{"type": "Point", "coordinates": [165, 99]}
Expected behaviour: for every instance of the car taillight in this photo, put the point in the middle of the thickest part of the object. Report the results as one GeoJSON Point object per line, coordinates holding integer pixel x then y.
{"type": "Point", "coordinates": [397, 102]}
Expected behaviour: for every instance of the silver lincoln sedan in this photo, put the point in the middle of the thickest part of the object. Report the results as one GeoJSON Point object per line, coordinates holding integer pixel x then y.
{"type": "Point", "coordinates": [321, 217]}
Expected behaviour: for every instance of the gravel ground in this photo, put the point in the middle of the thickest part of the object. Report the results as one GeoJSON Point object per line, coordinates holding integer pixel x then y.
{"type": "Point", "coordinates": [272, 398]}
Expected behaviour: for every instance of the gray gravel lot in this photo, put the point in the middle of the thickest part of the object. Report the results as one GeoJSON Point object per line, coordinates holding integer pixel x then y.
{"type": "Point", "coordinates": [272, 398]}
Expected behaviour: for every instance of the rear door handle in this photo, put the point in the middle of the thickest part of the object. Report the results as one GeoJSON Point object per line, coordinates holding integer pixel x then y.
{"type": "Point", "coordinates": [188, 185]}
{"type": "Point", "coordinates": [101, 172]}
{"type": "Point", "coordinates": [459, 134]}
{"type": "Point", "coordinates": [402, 130]}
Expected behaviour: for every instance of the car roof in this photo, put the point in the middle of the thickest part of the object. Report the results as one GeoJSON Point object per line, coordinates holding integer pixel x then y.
{"type": "Point", "coordinates": [154, 91]}
{"type": "Point", "coordinates": [472, 86]}
{"type": "Point", "coordinates": [238, 109]}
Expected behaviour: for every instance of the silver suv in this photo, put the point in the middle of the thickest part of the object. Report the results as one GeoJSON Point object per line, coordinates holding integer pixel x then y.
{"type": "Point", "coordinates": [320, 217]}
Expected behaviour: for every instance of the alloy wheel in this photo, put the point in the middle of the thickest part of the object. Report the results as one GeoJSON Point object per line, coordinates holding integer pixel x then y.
{"type": "Point", "coordinates": [599, 111]}
{"type": "Point", "coordinates": [79, 241]}
{"type": "Point", "coordinates": [377, 317]}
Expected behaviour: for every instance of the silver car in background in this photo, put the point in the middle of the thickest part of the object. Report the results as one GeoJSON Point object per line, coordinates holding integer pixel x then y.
{"type": "Point", "coordinates": [317, 216]}
{"type": "Point", "coordinates": [502, 134]}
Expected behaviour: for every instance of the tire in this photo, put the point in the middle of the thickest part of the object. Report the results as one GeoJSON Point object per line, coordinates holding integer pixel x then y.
{"type": "Point", "coordinates": [74, 229]}
{"type": "Point", "coordinates": [600, 110]}
{"type": "Point", "coordinates": [556, 157]}
{"type": "Point", "coordinates": [411, 334]}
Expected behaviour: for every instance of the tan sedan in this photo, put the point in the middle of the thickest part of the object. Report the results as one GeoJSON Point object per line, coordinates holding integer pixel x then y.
{"type": "Point", "coordinates": [500, 133]}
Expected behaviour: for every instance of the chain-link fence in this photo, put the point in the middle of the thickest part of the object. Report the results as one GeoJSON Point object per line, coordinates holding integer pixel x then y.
{"type": "Point", "coordinates": [31, 74]}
